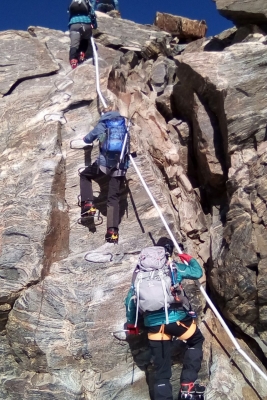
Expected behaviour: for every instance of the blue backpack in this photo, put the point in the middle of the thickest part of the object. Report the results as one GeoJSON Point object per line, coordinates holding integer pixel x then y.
{"type": "Point", "coordinates": [115, 141]}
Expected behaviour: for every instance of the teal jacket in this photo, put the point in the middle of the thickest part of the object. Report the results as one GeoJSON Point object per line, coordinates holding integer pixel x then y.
{"type": "Point", "coordinates": [154, 318]}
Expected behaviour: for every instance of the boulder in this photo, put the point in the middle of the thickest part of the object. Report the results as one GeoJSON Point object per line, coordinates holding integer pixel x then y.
{"type": "Point", "coordinates": [183, 28]}
{"type": "Point", "coordinates": [123, 34]}
{"type": "Point", "coordinates": [243, 12]}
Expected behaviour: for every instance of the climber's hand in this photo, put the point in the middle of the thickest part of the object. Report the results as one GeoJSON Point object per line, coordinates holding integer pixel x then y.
{"type": "Point", "coordinates": [132, 330]}
{"type": "Point", "coordinates": [185, 257]}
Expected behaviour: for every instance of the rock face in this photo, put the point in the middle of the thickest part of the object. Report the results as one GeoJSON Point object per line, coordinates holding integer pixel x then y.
{"type": "Point", "coordinates": [243, 12]}
{"type": "Point", "coordinates": [199, 131]}
{"type": "Point", "coordinates": [229, 108]}
{"type": "Point", "coordinates": [31, 60]}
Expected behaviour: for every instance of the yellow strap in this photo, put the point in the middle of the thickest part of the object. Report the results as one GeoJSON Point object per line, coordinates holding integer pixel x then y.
{"type": "Point", "coordinates": [190, 330]}
{"type": "Point", "coordinates": [161, 335]}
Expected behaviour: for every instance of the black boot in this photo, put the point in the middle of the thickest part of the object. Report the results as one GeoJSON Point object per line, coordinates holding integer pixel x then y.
{"type": "Point", "coordinates": [87, 209]}
{"type": "Point", "coordinates": [112, 235]}
{"type": "Point", "coordinates": [191, 391]}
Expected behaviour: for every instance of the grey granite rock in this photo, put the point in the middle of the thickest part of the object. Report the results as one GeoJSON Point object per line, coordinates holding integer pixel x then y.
{"type": "Point", "coordinates": [32, 60]}
{"type": "Point", "coordinates": [243, 12]}
{"type": "Point", "coordinates": [230, 86]}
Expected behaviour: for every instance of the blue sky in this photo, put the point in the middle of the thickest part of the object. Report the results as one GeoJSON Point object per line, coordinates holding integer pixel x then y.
{"type": "Point", "coordinates": [19, 14]}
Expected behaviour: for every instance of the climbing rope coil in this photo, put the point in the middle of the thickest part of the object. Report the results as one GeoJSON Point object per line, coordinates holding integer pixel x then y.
{"type": "Point", "coordinates": [201, 288]}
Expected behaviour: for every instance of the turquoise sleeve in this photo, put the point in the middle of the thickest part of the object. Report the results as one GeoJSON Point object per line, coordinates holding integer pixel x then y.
{"type": "Point", "coordinates": [130, 307]}
{"type": "Point", "coordinates": [191, 271]}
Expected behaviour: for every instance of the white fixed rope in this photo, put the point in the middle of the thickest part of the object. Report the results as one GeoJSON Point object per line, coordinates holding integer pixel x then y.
{"type": "Point", "coordinates": [212, 306]}
{"type": "Point", "coordinates": [97, 73]}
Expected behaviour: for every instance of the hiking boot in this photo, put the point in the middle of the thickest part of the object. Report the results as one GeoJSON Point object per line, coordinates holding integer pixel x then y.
{"type": "Point", "coordinates": [199, 391]}
{"type": "Point", "coordinates": [112, 235]}
{"type": "Point", "coordinates": [74, 63]}
{"type": "Point", "coordinates": [87, 209]}
{"type": "Point", "coordinates": [191, 391]}
{"type": "Point", "coordinates": [81, 57]}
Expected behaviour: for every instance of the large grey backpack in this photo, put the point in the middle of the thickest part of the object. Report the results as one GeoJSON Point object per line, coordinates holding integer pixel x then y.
{"type": "Point", "coordinates": [152, 280]}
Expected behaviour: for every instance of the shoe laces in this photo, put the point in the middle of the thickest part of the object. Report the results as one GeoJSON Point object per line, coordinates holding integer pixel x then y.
{"type": "Point", "coordinates": [188, 388]}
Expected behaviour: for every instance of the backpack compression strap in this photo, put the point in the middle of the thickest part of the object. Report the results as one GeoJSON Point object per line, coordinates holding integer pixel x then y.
{"type": "Point", "coordinates": [165, 297]}
{"type": "Point", "coordinates": [137, 302]}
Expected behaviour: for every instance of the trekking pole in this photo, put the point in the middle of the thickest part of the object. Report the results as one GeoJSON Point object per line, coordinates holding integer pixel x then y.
{"type": "Point", "coordinates": [97, 73]}
{"type": "Point", "coordinates": [214, 309]}
{"type": "Point", "coordinates": [125, 142]}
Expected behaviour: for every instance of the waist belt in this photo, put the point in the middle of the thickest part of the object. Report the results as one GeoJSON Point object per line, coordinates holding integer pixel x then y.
{"type": "Point", "coordinates": [190, 330]}
{"type": "Point", "coordinates": [161, 335]}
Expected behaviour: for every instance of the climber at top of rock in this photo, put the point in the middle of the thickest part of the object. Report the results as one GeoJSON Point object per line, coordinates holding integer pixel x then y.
{"type": "Point", "coordinates": [105, 5]}
{"type": "Point", "coordinates": [111, 166]}
{"type": "Point", "coordinates": [81, 22]}
{"type": "Point", "coordinates": [166, 315]}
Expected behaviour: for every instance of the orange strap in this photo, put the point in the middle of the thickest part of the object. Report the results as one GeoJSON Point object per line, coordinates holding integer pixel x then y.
{"type": "Point", "coordinates": [161, 335]}
{"type": "Point", "coordinates": [190, 330]}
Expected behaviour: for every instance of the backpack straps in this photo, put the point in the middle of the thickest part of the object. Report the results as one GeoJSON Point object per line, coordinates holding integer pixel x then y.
{"type": "Point", "coordinates": [137, 300]}
{"type": "Point", "coordinates": [125, 144]}
{"type": "Point", "coordinates": [165, 297]}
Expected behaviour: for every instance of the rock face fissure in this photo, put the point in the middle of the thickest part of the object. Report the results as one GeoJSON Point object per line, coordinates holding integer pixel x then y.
{"type": "Point", "coordinates": [56, 243]}
{"type": "Point", "coordinates": [199, 114]}
{"type": "Point", "coordinates": [19, 81]}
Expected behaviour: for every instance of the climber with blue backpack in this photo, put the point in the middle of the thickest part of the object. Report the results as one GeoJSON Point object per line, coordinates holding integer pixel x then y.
{"type": "Point", "coordinates": [113, 162]}
{"type": "Point", "coordinates": [81, 22]}
{"type": "Point", "coordinates": [105, 5]}
{"type": "Point", "coordinates": [157, 295]}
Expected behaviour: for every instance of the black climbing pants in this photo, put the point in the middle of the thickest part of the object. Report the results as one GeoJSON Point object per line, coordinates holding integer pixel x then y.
{"type": "Point", "coordinates": [161, 355]}
{"type": "Point", "coordinates": [80, 40]}
{"type": "Point", "coordinates": [114, 184]}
